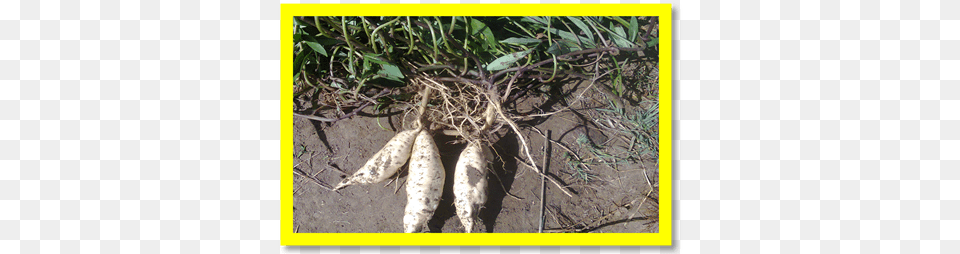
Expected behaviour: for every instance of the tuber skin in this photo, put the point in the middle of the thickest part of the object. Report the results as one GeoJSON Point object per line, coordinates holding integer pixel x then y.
{"type": "Point", "coordinates": [424, 183]}
{"type": "Point", "coordinates": [470, 184]}
{"type": "Point", "coordinates": [385, 162]}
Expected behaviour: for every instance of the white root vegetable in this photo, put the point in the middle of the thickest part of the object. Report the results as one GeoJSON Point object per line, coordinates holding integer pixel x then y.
{"type": "Point", "coordinates": [470, 184]}
{"type": "Point", "coordinates": [424, 184]}
{"type": "Point", "coordinates": [385, 162]}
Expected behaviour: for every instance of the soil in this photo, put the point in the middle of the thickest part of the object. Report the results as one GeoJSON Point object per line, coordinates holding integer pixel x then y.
{"type": "Point", "coordinates": [613, 198]}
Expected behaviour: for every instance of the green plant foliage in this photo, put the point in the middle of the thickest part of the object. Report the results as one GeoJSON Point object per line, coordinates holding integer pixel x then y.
{"type": "Point", "coordinates": [634, 29]}
{"type": "Point", "coordinates": [520, 40]}
{"type": "Point", "coordinates": [393, 46]}
{"type": "Point", "coordinates": [584, 29]}
{"type": "Point", "coordinates": [316, 47]}
{"type": "Point", "coordinates": [350, 55]}
{"type": "Point", "coordinates": [505, 61]}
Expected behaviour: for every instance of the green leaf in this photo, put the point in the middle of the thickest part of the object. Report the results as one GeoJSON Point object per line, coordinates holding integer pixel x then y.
{"type": "Point", "coordinates": [573, 38]}
{"type": "Point", "coordinates": [505, 61]}
{"type": "Point", "coordinates": [634, 29]}
{"type": "Point", "coordinates": [298, 61]}
{"type": "Point", "coordinates": [318, 44]}
{"type": "Point", "coordinates": [620, 37]}
{"type": "Point", "coordinates": [316, 47]}
{"type": "Point", "coordinates": [366, 68]}
{"type": "Point", "coordinates": [559, 49]}
{"type": "Point", "coordinates": [391, 71]}
{"type": "Point", "coordinates": [616, 32]}
{"type": "Point", "coordinates": [478, 26]}
{"type": "Point", "coordinates": [653, 42]}
{"type": "Point", "coordinates": [328, 41]}
{"type": "Point", "coordinates": [583, 27]}
{"type": "Point", "coordinates": [297, 23]}
{"type": "Point", "coordinates": [534, 19]}
{"type": "Point", "coordinates": [374, 58]}
{"type": "Point", "coordinates": [520, 40]}
{"type": "Point", "coordinates": [384, 81]}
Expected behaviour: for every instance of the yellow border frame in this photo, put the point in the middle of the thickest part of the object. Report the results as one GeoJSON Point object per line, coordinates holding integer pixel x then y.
{"type": "Point", "coordinates": [288, 237]}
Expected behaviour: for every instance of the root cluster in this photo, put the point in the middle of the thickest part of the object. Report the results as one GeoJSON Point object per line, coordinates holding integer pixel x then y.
{"type": "Point", "coordinates": [474, 113]}
{"type": "Point", "coordinates": [460, 109]}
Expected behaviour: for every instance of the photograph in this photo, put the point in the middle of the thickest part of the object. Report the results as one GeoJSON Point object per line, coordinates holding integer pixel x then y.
{"type": "Point", "coordinates": [475, 124]}
{"type": "Point", "coordinates": [490, 124]}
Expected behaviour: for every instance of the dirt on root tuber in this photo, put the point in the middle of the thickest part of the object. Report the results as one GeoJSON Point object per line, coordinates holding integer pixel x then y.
{"type": "Point", "coordinates": [385, 162]}
{"type": "Point", "coordinates": [470, 184]}
{"type": "Point", "coordinates": [424, 184]}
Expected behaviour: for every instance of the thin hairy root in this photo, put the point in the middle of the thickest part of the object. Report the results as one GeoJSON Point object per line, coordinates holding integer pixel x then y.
{"type": "Point", "coordinates": [299, 172]}
{"type": "Point", "coordinates": [472, 112]}
{"type": "Point", "coordinates": [551, 178]}
{"type": "Point", "coordinates": [503, 187]}
{"type": "Point", "coordinates": [458, 108]}
{"type": "Point", "coordinates": [526, 148]}
{"type": "Point", "coordinates": [498, 177]}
